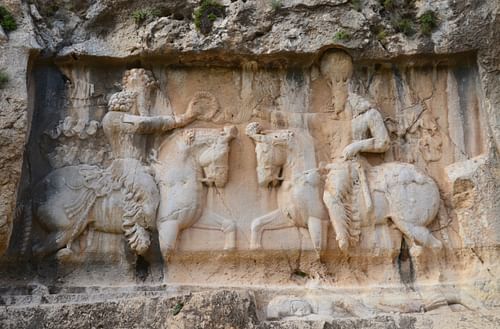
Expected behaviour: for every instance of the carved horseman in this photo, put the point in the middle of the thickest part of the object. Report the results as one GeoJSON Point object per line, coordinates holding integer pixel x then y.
{"type": "Point", "coordinates": [126, 126]}
{"type": "Point", "coordinates": [368, 134]}
{"type": "Point", "coordinates": [390, 192]}
{"type": "Point", "coordinates": [127, 184]}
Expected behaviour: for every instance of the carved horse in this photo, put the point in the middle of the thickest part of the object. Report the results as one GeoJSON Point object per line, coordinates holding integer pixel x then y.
{"type": "Point", "coordinates": [187, 164]}
{"type": "Point", "coordinates": [399, 193]}
{"type": "Point", "coordinates": [71, 199]}
{"type": "Point", "coordinates": [287, 159]}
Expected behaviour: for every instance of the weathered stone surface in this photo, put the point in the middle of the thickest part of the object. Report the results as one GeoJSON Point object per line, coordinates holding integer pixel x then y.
{"type": "Point", "coordinates": [15, 51]}
{"type": "Point", "coordinates": [351, 188]}
{"type": "Point", "coordinates": [213, 310]}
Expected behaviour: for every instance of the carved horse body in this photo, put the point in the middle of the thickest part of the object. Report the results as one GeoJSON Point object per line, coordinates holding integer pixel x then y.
{"type": "Point", "coordinates": [405, 196]}
{"type": "Point", "coordinates": [287, 158]}
{"type": "Point", "coordinates": [187, 163]}
{"type": "Point", "coordinates": [71, 199]}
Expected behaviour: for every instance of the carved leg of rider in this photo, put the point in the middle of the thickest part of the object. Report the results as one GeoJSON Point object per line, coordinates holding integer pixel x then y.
{"type": "Point", "coordinates": [167, 235]}
{"type": "Point", "coordinates": [315, 227]}
{"type": "Point", "coordinates": [337, 185]}
{"type": "Point", "coordinates": [338, 218]}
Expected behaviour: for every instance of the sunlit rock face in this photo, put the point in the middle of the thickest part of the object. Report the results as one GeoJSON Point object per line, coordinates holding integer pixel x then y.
{"type": "Point", "coordinates": [252, 167]}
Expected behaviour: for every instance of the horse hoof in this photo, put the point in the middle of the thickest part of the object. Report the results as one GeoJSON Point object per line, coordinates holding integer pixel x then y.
{"type": "Point", "coordinates": [64, 254]}
{"type": "Point", "coordinates": [437, 244]}
{"type": "Point", "coordinates": [416, 251]}
{"type": "Point", "coordinates": [255, 246]}
{"type": "Point", "coordinates": [343, 244]}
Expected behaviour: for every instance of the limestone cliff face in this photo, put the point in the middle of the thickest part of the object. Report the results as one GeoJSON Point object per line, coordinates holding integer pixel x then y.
{"type": "Point", "coordinates": [277, 34]}
{"type": "Point", "coordinates": [101, 94]}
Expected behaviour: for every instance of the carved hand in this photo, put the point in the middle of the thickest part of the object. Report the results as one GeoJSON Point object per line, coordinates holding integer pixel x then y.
{"type": "Point", "coordinates": [191, 112]}
{"type": "Point", "coordinates": [350, 151]}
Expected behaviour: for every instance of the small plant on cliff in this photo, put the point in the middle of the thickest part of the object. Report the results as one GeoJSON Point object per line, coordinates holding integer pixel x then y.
{"type": "Point", "coordinates": [142, 15]}
{"type": "Point", "coordinates": [405, 26]}
{"type": "Point", "coordinates": [388, 4]}
{"type": "Point", "coordinates": [342, 36]}
{"type": "Point", "coordinates": [381, 35]}
{"type": "Point", "coordinates": [276, 4]}
{"type": "Point", "coordinates": [139, 15]}
{"type": "Point", "coordinates": [4, 79]}
{"type": "Point", "coordinates": [205, 15]}
{"type": "Point", "coordinates": [428, 22]}
{"type": "Point", "coordinates": [7, 21]}
{"type": "Point", "coordinates": [356, 5]}
{"type": "Point", "coordinates": [177, 308]}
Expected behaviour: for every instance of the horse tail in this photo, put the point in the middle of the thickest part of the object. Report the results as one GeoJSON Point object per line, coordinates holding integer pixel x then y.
{"type": "Point", "coordinates": [27, 211]}
{"type": "Point", "coordinates": [138, 237]}
{"type": "Point", "coordinates": [444, 220]}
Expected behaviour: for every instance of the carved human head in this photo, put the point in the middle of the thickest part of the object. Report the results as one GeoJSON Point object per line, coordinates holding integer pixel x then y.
{"type": "Point", "coordinates": [336, 67]}
{"type": "Point", "coordinates": [135, 79]}
{"type": "Point", "coordinates": [359, 104]}
{"type": "Point", "coordinates": [142, 83]}
{"type": "Point", "coordinates": [271, 149]}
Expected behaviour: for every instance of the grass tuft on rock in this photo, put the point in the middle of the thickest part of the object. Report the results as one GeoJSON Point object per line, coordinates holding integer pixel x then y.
{"type": "Point", "coordinates": [276, 4]}
{"type": "Point", "coordinates": [405, 26]}
{"type": "Point", "coordinates": [4, 79]}
{"type": "Point", "coordinates": [356, 5]}
{"type": "Point", "coordinates": [177, 308]}
{"type": "Point", "coordinates": [7, 21]}
{"type": "Point", "coordinates": [428, 22]}
{"type": "Point", "coordinates": [206, 13]}
{"type": "Point", "coordinates": [342, 36]}
{"type": "Point", "coordinates": [144, 14]}
{"type": "Point", "coordinates": [381, 35]}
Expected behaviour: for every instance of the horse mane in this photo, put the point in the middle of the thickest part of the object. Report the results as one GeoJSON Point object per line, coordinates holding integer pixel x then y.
{"type": "Point", "coordinates": [304, 145]}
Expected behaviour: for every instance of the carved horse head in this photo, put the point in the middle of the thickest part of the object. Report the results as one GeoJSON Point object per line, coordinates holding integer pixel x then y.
{"type": "Point", "coordinates": [271, 148]}
{"type": "Point", "coordinates": [210, 148]}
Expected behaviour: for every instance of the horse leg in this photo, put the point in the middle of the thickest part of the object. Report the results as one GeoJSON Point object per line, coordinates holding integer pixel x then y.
{"type": "Point", "coordinates": [425, 237]}
{"type": "Point", "coordinates": [61, 232]}
{"type": "Point", "coordinates": [315, 227]}
{"type": "Point", "coordinates": [270, 221]}
{"type": "Point", "coordinates": [211, 221]}
{"type": "Point", "coordinates": [416, 234]}
{"type": "Point", "coordinates": [55, 241]}
{"type": "Point", "coordinates": [167, 235]}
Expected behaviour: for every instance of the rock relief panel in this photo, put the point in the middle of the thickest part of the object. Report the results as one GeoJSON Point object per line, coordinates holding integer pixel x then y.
{"type": "Point", "coordinates": [326, 159]}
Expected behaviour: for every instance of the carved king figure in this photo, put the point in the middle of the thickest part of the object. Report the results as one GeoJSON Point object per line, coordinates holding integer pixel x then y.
{"type": "Point", "coordinates": [121, 198]}
{"type": "Point", "coordinates": [394, 191]}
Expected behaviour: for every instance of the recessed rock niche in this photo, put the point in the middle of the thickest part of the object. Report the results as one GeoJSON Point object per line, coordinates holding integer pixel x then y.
{"type": "Point", "coordinates": [327, 187]}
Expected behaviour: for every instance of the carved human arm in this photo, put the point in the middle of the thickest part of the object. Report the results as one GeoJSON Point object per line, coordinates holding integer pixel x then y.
{"type": "Point", "coordinates": [378, 143]}
{"type": "Point", "coordinates": [156, 124]}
